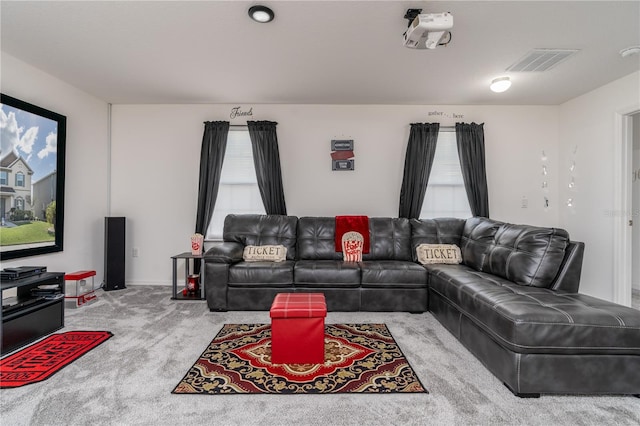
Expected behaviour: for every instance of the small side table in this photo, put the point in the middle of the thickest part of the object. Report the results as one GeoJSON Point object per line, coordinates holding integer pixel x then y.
{"type": "Point", "coordinates": [188, 258]}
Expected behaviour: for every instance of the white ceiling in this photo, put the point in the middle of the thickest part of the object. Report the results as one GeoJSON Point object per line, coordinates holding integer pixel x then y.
{"type": "Point", "coordinates": [318, 52]}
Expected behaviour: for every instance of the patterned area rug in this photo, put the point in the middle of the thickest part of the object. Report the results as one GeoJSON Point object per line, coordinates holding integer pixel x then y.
{"type": "Point", "coordinates": [41, 360]}
{"type": "Point", "coordinates": [359, 358]}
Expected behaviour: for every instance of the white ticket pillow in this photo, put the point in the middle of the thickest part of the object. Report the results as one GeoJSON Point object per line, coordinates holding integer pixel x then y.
{"type": "Point", "coordinates": [276, 253]}
{"type": "Point", "coordinates": [438, 253]}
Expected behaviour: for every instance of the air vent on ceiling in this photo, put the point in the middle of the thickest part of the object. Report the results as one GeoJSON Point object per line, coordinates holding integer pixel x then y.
{"type": "Point", "coordinates": [541, 60]}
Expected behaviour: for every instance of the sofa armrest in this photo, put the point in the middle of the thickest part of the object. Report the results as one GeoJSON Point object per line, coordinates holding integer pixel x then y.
{"type": "Point", "coordinates": [568, 278]}
{"type": "Point", "coordinates": [216, 276]}
{"type": "Point", "coordinates": [226, 252]}
{"type": "Point", "coordinates": [217, 261]}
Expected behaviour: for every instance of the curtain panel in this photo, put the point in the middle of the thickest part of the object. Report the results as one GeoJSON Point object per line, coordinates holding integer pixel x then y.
{"type": "Point", "coordinates": [266, 159]}
{"type": "Point", "coordinates": [470, 140]}
{"type": "Point", "coordinates": [421, 150]}
{"type": "Point", "coordinates": [214, 145]}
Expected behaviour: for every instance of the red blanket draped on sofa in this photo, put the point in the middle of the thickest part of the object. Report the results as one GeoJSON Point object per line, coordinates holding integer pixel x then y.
{"type": "Point", "coordinates": [352, 223]}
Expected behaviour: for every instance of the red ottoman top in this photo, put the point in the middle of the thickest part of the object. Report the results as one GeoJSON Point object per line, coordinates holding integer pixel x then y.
{"type": "Point", "coordinates": [298, 305]}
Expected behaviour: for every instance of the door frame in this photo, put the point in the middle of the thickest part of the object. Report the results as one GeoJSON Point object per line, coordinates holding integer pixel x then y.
{"type": "Point", "coordinates": [622, 232]}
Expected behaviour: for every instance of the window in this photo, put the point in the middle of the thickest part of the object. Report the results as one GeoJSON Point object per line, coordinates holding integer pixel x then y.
{"type": "Point", "coordinates": [238, 192]}
{"type": "Point", "coordinates": [19, 203]}
{"type": "Point", "coordinates": [4, 177]}
{"type": "Point", "coordinates": [446, 196]}
{"type": "Point", "coordinates": [19, 179]}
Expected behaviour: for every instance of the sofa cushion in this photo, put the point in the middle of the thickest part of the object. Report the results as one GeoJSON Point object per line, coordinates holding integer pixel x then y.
{"type": "Point", "coordinates": [526, 255]}
{"type": "Point", "coordinates": [393, 274]}
{"type": "Point", "coordinates": [390, 239]}
{"type": "Point", "coordinates": [262, 274]}
{"type": "Point", "coordinates": [435, 231]}
{"type": "Point", "coordinates": [528, 319]}
{"type": "Point", "coordinates": [476, 240]}
{"type": "Point", "coordinates": [326, 274]}
{"type": "Point", "coordinates": [316, 239]}
{"type": "Point", "coordinates": [260, 230]}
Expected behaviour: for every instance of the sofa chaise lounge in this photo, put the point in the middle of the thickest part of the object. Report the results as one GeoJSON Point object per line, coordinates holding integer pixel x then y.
{"type": "Point", "coordinates": [513, 301]}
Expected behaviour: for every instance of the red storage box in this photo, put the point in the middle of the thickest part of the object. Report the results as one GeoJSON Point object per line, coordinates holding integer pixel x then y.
{"type": "Point", "coordinates": [297, 328]}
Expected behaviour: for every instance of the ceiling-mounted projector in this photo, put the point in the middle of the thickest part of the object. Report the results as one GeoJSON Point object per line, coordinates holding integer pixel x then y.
{"type": "Point", "coordinates": [427, 30]}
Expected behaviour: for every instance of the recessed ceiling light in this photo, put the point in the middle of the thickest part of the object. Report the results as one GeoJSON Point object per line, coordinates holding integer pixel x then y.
{"type": "Point", "coordinates": [261, 14]}
{"type": "Point", "coordinates": [500, 84]}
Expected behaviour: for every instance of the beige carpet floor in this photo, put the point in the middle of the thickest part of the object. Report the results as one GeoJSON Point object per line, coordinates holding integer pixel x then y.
{"type": "Point", "coordinates": [128, 379]}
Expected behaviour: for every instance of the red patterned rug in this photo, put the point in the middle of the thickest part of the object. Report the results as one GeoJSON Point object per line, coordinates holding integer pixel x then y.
{"type": "Point", "coordinates": [359, 358]}
{"type": "Point", "coordinates": [41, 360]}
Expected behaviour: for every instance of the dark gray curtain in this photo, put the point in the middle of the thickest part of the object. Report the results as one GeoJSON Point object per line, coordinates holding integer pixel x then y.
{"type": "Point", "coordinates": [266, 159]}
{"type": "Point", "coordinates": [214, 145]}
{"type": "Point", "coordinates": [470, 140]}
{"type": "Point", "coordinates": [421, 149]}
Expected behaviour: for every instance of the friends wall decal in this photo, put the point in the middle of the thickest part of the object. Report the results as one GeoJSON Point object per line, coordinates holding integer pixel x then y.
{"type": "Point", "coordinates": [238, 112]}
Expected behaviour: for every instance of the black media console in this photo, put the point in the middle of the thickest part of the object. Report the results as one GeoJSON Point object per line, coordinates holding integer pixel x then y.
{"type": "Point", "coordinates": [35, 310]}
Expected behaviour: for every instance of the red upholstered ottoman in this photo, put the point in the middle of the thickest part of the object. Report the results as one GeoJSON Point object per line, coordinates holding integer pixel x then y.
{"type": "Point", "coordinates": [297, 328]}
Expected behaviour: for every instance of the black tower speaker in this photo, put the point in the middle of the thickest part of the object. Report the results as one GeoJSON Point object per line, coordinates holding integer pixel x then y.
{"type": "Point", "coordinates": [114, 253]}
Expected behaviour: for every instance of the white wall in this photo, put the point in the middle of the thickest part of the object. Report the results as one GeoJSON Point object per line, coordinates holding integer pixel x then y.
{"type": "Point", "coordinates": [587, 123]}
{"type": "Point", "coordinates": [156, 149]}
{"type": "Point", "coordinates": [155, 155]}
{"type": "Point", "coordinates": [86, 164]}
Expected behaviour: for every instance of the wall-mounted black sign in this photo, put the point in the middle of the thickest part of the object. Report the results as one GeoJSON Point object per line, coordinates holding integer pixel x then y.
{"type": "Point", "coordinates": [342, 164]}
{"type": "Point", "coordinates": [342, 145]}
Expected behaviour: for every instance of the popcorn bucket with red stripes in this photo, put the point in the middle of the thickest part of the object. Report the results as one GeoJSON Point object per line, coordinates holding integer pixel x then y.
{"type": "Point", "coordinates": [196, 244]}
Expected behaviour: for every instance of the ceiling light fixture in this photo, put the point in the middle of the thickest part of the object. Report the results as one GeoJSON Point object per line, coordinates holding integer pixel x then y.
{"type": "Point", "coordinates": [500, 84]}
{"type": "Point", "coordinates": [633, 50]}
{"type": "Point", "coordinates": [261, 14]}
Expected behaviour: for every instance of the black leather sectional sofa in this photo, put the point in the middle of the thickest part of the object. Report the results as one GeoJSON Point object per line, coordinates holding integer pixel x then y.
{"type": "Point", "coordinates": [513, 301]}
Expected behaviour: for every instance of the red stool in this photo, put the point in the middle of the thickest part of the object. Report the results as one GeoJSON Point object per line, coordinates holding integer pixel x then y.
{"type": "Point", "coordinates": [297, 328]}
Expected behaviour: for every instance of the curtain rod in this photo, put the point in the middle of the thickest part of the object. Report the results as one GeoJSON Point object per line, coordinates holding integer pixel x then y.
{"type": "Point", "coordinates": [441, 127]}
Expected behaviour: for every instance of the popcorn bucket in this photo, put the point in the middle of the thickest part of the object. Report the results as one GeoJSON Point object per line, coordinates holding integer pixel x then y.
{"type": "Point", "coordinates": [196, 244]}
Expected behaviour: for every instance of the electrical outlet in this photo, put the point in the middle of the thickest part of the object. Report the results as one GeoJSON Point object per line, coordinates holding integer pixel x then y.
{"type": "Point", "coordinates": [135, 252]}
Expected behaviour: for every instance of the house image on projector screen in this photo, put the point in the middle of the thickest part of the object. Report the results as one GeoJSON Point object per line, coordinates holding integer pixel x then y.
{"type": "Point", "coordinates": [15, 184]}
{"type": "Point", "coordinates": [44, 192]}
